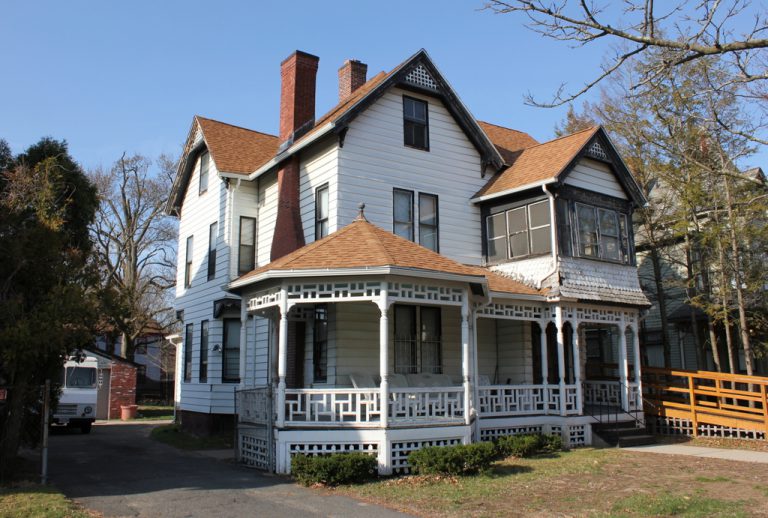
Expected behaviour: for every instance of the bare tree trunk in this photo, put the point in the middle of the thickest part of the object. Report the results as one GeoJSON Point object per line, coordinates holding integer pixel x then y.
{"type": "Point", "coordinates": [726, 317]}
{"type": "Point", "coordinates": [662, 301]}
{"type": "Point", "coordinates": [714, 344]}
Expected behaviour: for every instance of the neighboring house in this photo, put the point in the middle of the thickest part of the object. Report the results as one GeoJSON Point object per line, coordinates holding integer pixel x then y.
{"type": "Point", "coordinates": [115, 383]}
{"type": "Point", "coordinates": [487, 287]}
{"type": "Point", "coordinates": [155, 360]}
{"type": "Point", "coordinates": [686, 322]}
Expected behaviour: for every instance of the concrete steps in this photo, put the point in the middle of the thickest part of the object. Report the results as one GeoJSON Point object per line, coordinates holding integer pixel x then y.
{"type": "Point", "coordinates": [623, 434]}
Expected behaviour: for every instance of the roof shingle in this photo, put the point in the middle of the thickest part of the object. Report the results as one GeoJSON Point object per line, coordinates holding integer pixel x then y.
{"type": "Point", "coordinates": [235, 149]}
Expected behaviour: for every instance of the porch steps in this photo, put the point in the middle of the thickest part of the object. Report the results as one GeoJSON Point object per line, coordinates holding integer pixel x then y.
{"type": "Point", "coordinates": [622, 434]}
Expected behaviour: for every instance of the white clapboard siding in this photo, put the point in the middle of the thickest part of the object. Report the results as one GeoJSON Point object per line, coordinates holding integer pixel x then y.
{"type": "Point", "coordinates": [595, 176]}
{"type": "Point", "coordinates": [487, 359]}
{"type": "Point", "coordinates": [243, 204]}
{"type": "Point", "coordinates": [374, 160]}
{"type": "Point", "coordinates": [515, 355]}
{"type": "Point", "coordinates": [267, 217]}
{"type": "Point", "coordinates": [318, 168]}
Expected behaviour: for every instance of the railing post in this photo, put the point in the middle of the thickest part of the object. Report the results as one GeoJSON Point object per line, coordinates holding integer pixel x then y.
{"type": "Point", "coordinates": [559, 323]}
{"type": "Point", "coordinates": [623, 365]}
{"type": "Point", "coordinates": [576, 347]}
{"type": "Point", "coordinates": [765, 408]}
{"type": "Point", "coordinates": [638, 371]}
{"type": "Point", "coordinates": [465, 362]}
{"type": "Point", "coordinates": [282, 356]}
{"type": "Point", "coordinates": [475, 373]}
{"type": "Point", "coordinates": [544, 364]}
{"type": "Point", "coordinates": [383, 305]}
{"type": "Point", "coordinates": [692, 403]}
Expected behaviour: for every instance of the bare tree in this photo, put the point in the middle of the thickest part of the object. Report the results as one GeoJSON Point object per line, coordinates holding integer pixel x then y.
{"type": "Point", "coordinates": [662, 36]}
{"type": "Point", "coordinates": [135, 245]}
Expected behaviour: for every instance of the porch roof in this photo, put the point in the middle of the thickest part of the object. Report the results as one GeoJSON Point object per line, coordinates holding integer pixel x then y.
{"type": "Point", "coordinates": [362, 245]}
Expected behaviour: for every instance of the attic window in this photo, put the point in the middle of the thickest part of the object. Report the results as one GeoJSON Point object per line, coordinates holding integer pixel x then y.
{"type": "Point", "coordinates": [415, 123]}
{"type": "Point", "coordinates": [595, 150]}
{"type": "Point", "coordinates": [205, 161]}
{"type": "Point", "coordinates": [420, 77]}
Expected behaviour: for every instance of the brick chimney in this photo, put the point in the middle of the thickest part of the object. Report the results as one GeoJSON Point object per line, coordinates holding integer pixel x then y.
{"type": "Point", "coordinates": [352, 75]}
{"type": "Point", "coordinates": [298, 73]}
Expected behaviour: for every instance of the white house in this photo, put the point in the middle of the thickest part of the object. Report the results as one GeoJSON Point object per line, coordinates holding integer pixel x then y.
{"type": "Point", "coordinates": [487, 287]}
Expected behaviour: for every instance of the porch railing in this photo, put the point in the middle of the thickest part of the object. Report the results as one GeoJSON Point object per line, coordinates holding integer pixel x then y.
{"type": "Point", "coordinates": [432, 404]}
{"type": "Point", "coordinates": [332, 406]}
{"type": "Point", "coordinates": [608, 393]}
{"type": "Point", "coordinates": [511, 400]}
{"type": "Point", "coordinates": [253, 405]}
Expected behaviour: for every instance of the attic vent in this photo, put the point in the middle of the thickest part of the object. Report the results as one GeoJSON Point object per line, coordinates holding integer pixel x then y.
{"type": "Point", "coordinates": [595, 150]}
{"type": "Point", "coordinates": [420, 77]}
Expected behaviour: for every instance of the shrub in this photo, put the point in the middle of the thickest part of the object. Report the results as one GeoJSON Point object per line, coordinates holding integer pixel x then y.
{"type": "Point", "coordinates": [452, 460]}
{"type": "Point", "coordinates": [335, 469]}
{"type": "Point", "coordinates": [526, 445]}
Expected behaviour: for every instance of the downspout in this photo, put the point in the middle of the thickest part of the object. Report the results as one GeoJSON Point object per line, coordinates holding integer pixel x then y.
{"type": "Point", "coordinates": [552, 235]}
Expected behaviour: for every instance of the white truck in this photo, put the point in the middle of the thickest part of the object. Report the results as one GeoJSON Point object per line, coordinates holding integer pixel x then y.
{"type": "Point", "coordinates": [77, 404]}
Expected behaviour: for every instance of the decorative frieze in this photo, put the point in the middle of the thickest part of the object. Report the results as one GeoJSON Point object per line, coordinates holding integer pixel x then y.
{"type": "Point", "coordinates": [414, 292]}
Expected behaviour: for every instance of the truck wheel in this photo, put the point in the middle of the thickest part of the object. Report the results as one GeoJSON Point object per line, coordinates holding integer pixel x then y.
{"type": "Point", "coordinates": [85, 428]}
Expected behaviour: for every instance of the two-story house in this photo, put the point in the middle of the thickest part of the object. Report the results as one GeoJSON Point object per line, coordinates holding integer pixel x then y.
{"type": "Point", "coordinates": [396, 274]}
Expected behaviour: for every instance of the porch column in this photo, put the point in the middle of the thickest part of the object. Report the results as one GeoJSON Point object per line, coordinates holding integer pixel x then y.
{"type": "Point", "coordinates": [465, 362]}
{"type": "Point", "coordinates": [544, 362]}
{"type": "Point", "coordinates": [243, 339]}
{"type": "Point", "coordinates": [384, 356]}
{"type": "Point", "coordinates": [638, 373]}
{"type": "Point", "coordinates": [475, 373]}
{"type": "Point", "coordinates": [559, 323]}
{"type": "Point", "coordinates": [282, 356]}
{"type": "Point", "coordinates": [576, 344]}
{"type": "Point", "coordinates": [623, 364]}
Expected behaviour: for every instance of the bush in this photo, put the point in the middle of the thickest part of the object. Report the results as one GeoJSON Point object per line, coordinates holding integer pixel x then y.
{"type": "Point", "coordinates": [526, 445]}
{"type": "Point", "coordinates": [452, 460]}
{"type": "Point", "coordinates": [335, 469]}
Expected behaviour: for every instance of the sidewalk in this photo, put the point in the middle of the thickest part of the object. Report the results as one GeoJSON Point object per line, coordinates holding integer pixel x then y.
{"type": "Point", "coordinates": [701, 451]}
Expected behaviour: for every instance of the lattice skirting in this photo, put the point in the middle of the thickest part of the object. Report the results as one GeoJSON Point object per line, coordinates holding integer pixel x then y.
{"type": "Point", "coordinates": [677, 426]}
{"type": "Point", "coordinates": [253, 448]}
{"type": "Point", "coordinates": [401, 450]}
{"type": "Point", "coordinates": [314, 449]}
{"type": "Point", "coordinates": [575, 435]}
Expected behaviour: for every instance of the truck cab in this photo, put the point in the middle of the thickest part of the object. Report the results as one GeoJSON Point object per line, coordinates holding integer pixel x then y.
{"type": "Point", "coordinates": [77, 404]}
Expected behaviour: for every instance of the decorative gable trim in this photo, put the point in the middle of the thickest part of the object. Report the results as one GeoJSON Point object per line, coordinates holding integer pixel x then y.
{"type": "Point", "coordinates": [195, 145]}
{"type": "Point", "coordinates": [420, 77]}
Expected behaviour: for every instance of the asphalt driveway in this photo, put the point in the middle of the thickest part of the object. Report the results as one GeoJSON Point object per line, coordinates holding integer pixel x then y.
{"type": "Point", "coordinates": [119, 471]}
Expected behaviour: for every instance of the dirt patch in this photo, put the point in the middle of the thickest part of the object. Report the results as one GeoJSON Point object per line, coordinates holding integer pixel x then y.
{"type": "Point", "coordinates": [716, 442]}
{"type": "Point", "coordinates": [584, 482]}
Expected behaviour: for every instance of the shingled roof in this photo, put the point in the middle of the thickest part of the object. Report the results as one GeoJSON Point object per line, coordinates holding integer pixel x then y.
{"type": "Point", "coordinates": [509, 142]}
{"type": "Point", "coordinates": [235, 149]}
{"type": "Point", "coordinates": [362, 244]}
{"type": "Point", "coordinates": [539, 163]}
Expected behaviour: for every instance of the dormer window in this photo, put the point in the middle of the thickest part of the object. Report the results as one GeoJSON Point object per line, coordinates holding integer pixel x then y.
{"type": "Point", "coordinates": [519, 232]}
{"type": "Point", "coordinates": [204, 167]}
{"type": "Point", "coordinates": [415, 123]}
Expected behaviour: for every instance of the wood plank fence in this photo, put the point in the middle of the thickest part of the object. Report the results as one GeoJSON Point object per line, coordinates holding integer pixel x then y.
{"type": "Point", "coordinates": [707, 398]}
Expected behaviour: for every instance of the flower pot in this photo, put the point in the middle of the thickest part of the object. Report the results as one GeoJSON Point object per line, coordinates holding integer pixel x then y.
{"type": "Point", "coordinates": [128, 412]}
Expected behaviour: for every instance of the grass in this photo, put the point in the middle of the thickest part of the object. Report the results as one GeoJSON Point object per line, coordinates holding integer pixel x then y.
{"type": "Point", "coordinates": [154, 412]}
{"type": "Point", "coordinates": [32, 500]}
{"type": "Point", "coordinates": [668, 504]}
{"type": "Point", "coordinates": [172, 435]}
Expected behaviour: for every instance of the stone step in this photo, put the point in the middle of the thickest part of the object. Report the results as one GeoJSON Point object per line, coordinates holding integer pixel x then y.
{"type": "Point", "coordinates": [636, 440]}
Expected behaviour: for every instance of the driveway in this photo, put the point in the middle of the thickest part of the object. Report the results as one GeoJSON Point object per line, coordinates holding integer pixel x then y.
{"type": "Point", "coordinates": [119, 471]}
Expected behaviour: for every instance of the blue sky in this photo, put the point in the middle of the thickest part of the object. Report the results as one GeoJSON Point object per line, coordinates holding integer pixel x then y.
{"type": "Point", "coordinates": [128, 76]}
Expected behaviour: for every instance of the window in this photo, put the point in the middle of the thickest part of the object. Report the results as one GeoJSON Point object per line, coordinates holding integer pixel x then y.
{"type": "Point", "coordinates": [519, 232]}
{"type": "Point", "coordinates": [321, 212]}
{"type": "Point", "coordinates": [80, 377]}
{"type": "Point", "coordinates": [188, 264]}
{"type": "Point", "coordinates": [212, 251]}
{"type": "Point", "coordinates": [418, 342]}
{"type": "Point", "coordinates": [403, 213]}
{"type": "Point", "coordinates": [247, 255]}
{"type": "Point", "coordinates": [230, 362]}
{"type": "Point", "coordinates": [204, 167]}
{"type": "Point", "coordinates": [601, 233]}
{"type": "Point", "coordinates": [203, 374]}
{"type": "Point", "coordinates": [415, 123]}
{"type": "Point", "coordinates": [320, 344]}
{"type": "Point", "coordinates": [428, 222]}
{"type": "Point", "coordinates": [188, 353]}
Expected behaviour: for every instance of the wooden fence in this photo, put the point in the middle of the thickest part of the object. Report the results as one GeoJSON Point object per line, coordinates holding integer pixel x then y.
{"type": "Point", "coordinates": [707, 398]}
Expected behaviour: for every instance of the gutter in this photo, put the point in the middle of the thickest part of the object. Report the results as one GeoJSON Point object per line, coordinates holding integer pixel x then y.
{"type": "Point", "coordinates": [513, 190]}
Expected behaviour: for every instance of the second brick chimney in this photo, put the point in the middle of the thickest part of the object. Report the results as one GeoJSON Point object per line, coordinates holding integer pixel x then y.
{"type": "Point", "coordinates": [352, 75]}
{"type": "Point", "coordinates": [298, 73]}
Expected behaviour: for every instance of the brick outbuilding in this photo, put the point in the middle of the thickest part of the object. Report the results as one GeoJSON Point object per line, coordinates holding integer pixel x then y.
{"type": "Point", "coordinates": [116, 384]}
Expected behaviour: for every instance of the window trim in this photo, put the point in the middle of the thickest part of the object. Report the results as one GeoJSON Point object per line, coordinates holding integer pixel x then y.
{"type": "Point", "coordinates": [240, 246]}
{"type": "Point", "coordinates": [224, 349]}
{"type": "Point", "coordinates": [202, 372]}
{"type": "Point", "coordinates": [437, 219]}
{"type": "Point", "coordinates": [188, 339]}
{"type": "Point", "coordinates": [413, 120]}
{"type": "Point", "coordinates": [213, 234]}
{"type": "Point", "coordinates": [318, 219]}
{"type": "Point", "coordinates": [506, 236]}
{"type": "Point", "coordinates": [623, 239]}
{"type": "Point", "coordinates": [202, 189]}
{"type": "Point", "coordinates": [188, 253]}
{"type": "Point", "coordinates": [394, 213]}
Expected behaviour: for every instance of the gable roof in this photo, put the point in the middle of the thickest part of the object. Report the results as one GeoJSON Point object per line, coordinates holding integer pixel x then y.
{"type": "Point", "coordinates": [235, 149]}
{"type": "Point", "coordinates": [538, 164]}
{"type": "Point", "coordinates": [509, 142]}
{"type": "Point", "coordinates": [363, 245]}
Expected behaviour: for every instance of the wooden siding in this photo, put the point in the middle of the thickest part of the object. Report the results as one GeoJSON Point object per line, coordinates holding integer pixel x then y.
{"type": "Point", "coordinates": [374, 160]}
{"type": "Point", "coordinates": [317, 169]}
{"type": "Point", "coordinates": [265, 225]}
{"type": "Point", "coordinates": [595, 176]}
{"type": "Point", "coordinates": [504, 351]}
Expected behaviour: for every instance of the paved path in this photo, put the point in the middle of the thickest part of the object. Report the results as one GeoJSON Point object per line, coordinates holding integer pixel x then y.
{"type": "Point", "coordinates": [119, 471]}
{"type": "Point", "coordinates": [701, 451]}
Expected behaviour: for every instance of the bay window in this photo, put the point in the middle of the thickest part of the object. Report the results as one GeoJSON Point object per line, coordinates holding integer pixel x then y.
{"type": "Point", "coordinates": [519, 232]}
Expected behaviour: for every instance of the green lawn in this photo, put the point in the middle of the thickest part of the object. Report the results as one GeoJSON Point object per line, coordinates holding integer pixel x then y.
{"type": "Point", "coordinates": [582, 482]}
{"type": "Point", "coordinates": [171, 434]}
{"type": "Point", "coordinates": [35, 501]}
